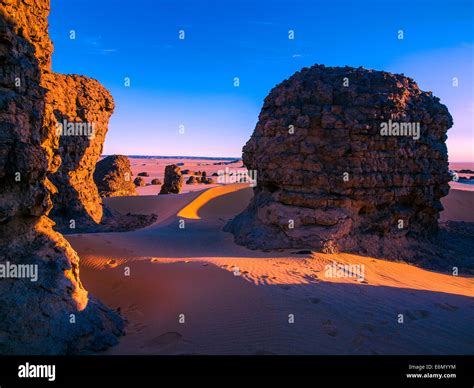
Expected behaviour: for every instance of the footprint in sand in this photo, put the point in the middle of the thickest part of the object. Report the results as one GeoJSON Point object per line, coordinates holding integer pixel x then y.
{"type": "Point", "coordinates": [111, 263]}
{"type": "Point", "coordinates": [417, 314]}
{"type": "Point", "coordinates": [164, 339]}
{"type": "Point", "coordinates": [137, 328]}
{"type": "Point", "coordinates": [329, 328]}
{"type": "Point", "coordinates": [116, 286]}
{"type": "Point", "coordinates": [447, 306]}
{"type": "Point", "coordinates": [368, 327]}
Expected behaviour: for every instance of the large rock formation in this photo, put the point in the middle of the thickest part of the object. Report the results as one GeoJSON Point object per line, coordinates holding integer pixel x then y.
{"type": "Point", "coordinates": [173, 180]}
{"type": "Point", "coordinates": [331, 178]}
{"type": "Point", "coordinates": [50, 313]}
{"type": "Point", "coordinates": [82, 108]}
{"type": "Point", "coordinates": [113, 177]}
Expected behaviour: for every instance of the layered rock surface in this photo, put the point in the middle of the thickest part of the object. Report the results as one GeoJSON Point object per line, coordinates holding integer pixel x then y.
{"type": "Point", "coordinates": [329, 179]}
{"type": "Point", "coordinates": [82, 108]}
{"type": "Point", "coordinates": [113, 177]}
{"type": "Point", "coordinates": [54, 313]}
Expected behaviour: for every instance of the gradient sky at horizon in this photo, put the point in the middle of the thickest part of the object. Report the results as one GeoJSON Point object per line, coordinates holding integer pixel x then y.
{"type": "Point", "coordinates": [190, 82]}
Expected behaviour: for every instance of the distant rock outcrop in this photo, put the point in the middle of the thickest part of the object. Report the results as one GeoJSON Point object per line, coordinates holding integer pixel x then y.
{"type": "Point", "coordinates": [173, 180]}
{"type": "Point", "coordinates": [113, 177]}
{"type": "Point", "coordinates": [36, 312]}
{"type": "Point", "coordinates": [155, 181]}
{"type": "Point", "coordinates": [334, 174]}
{"type": "Point", "coordinates": [192, 180]}
{"type": "Point", "coordinates": [139, 181]}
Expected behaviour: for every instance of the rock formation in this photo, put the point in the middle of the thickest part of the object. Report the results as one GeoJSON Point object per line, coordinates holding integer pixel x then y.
{"type": "Point", "coordinates": [143, 174]}
{"type": "Point", "coordinates": [113, 177]}
{"type": "Point", "coordinates": [82, 108]}
{"type": "Point", "coordinates": [173, 180]}
{"type": "Point", "coordinates": [36, 315]}
{"type": "Point", "coordinates": [332, 177]}
{"type": "Point", "coordinates": [155, 181]}
{"type": "Point", "coordinates": [139, 181]}
{"type": "Point", "coordinates": [192, 180]}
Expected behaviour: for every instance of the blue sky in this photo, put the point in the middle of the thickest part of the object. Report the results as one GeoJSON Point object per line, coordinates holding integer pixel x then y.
{"type": "Point", "coordinates": [190, 82]}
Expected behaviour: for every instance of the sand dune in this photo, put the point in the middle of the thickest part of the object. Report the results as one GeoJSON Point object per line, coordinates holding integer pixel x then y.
{"type": "Point", "coordinates": [458, 206]}
{"type": "Point", "coordinates": [239, 301]}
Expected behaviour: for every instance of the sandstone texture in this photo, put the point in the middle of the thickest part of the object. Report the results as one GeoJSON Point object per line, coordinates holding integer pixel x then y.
{"type": "Point", "coordinates": [113, 177]}
{"type": "Point", "coordinates": [173, 180]}
{"type": "Point", "coordinates": [327, 179]}
{"type": "Point", "coordinates": [36, 316]}
{"type": "Point", "coordinates": [84, 101]}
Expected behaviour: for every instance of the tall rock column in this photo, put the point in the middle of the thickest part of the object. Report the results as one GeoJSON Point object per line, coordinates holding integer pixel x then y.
{"type": "Point", "coordinates": [44, 309]}
{"type": "Point", "coordinates": [82, 108]}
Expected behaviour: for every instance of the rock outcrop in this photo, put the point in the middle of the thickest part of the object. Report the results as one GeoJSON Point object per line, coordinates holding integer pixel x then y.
{"type": "Point", "coordinates": [333, 173]}
{"type": "Point", "coordinates": [113, 177]}
{"type": "Point", "coordinates": [139, 181]}
{"type": "Point", "coordinates": [50, 313]}
{"type": "Point", "coordinates": [155, 181]}
{"type": "Point", "coordinates": [173, 180]}
{"type": "Point", "coordinates": [82, 108]}
{"type": "Point", "coordinates": [192, 180]}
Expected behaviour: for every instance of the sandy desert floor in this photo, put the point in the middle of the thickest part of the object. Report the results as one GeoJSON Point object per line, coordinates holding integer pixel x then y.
{"type": "Point", "coordinates": [192, 290]}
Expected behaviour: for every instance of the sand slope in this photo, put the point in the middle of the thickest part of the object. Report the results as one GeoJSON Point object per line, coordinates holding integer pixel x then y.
{"type": "Point", "coordinates": [238, 301]}
{"type": "Point", "coordinates": [458, 206]}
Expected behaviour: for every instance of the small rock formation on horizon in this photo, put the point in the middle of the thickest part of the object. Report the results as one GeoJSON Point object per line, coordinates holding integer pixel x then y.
{"type": "Point", "coordinates": [155, 181]}
{"type": "Point", "coordinates": [192, 180]}
{"type": "Point", "coordinates": [113, 177]}
{"type": "Point", "coordinates": [330, 179]}
{"type": "Point", "coordinates": [139, 181]}
{"type": "Point", "coordinates": [173, 180]}
{"type": "Point", "coordinates": [35, 316]}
